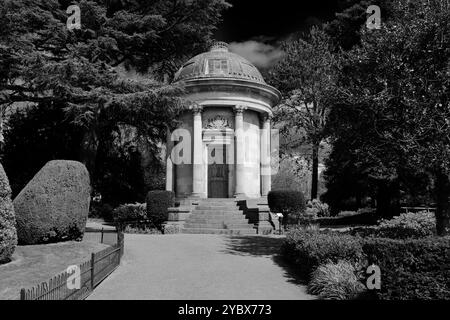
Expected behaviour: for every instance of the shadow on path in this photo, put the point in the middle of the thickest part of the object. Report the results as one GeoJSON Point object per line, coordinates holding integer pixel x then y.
{"type": "Point", "coordinates": [264, 246]}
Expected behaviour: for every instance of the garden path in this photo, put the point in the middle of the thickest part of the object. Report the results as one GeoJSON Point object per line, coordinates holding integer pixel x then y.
{"type": "Point", "coordinates": [209, 267]}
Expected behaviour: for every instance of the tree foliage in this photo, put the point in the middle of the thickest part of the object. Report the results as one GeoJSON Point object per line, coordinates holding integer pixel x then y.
{"type": "Point", "coordinates": [393, 111]}
{"type": "Point", "coordinates": [306, 76]}
{"type": "Point", "coordinates": [84, 71]}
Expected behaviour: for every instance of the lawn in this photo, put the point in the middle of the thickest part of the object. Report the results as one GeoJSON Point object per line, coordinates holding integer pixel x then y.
{"type": "Point", "coordinates": [32, 265]}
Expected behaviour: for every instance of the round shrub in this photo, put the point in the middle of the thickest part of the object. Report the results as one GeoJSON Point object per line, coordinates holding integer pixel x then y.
{"type": "Point", "coordinates": [172, 229]}
{"type": "Point", "coordinates": [158, 201]}
{"type": "Point", "coordinates": [130, 213]}
{"type": "Point", "coordinates": [290, 203]}
{"type": "Point", "coordinates": [319, 208]}
{"type": "Point", "coordinates": [8, 235]}
{"type": "Point", "coordinates": [54, 205]}
{"type": "Point", "coordinates": [336, 281]}
{"type": "Point", "coordinates": [407, 225]}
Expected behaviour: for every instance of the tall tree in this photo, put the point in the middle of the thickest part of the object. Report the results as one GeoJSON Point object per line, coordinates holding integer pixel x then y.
{"type": "Point", "coordinates": [306, 76]}
{"type": "Point", "coordinates": [395, 93]}
{"type": "Point", "coordinates": [42, 61]}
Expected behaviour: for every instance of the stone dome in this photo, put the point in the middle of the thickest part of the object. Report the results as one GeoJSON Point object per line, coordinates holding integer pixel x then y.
{"type": "Point", "coordinates": [219, 62]}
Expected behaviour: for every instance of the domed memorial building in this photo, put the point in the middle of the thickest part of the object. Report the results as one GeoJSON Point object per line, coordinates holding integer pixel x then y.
{"type": "Point", "coordinates": [228, 130]}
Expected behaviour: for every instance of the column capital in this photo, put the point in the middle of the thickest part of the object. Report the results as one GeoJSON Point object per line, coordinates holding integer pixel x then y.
{"type": "Point", "coordinates": [239, 109]}
{"type": "Point", "coordinates": [266, 116]}
{"type": "Point", "coordinates": [196, 109]}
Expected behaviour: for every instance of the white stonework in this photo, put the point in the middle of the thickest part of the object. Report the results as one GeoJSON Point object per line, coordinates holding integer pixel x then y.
{"type": "Point", "coordinates": [228, 96]}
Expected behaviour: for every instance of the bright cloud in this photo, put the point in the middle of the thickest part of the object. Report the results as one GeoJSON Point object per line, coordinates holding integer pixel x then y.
{"type": "Point", "coordinates": [260, 54]}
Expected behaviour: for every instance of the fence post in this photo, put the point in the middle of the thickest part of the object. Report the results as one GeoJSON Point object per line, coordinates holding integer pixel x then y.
{"type": "Point", "coordinates": [92, 270]}
{"type": "Point", "coordinates": [102, 236]}
{"type": "Point", "coordinates": [22, 294]}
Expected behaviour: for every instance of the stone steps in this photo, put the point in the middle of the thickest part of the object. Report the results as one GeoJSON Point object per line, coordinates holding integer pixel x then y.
{"type": "Point", "coordinates": [219, 231]}
{"type": "Point", "coordinates": [217, 212]}
{"type": "Point", "coordinates": [210, 225]}
{"type": "Point", "coordinates": [222, 208]}
{"type": "Point", "coordinates": [218, 216]}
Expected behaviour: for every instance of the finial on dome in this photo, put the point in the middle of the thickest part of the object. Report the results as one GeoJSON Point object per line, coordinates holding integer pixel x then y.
{"type": "Point", "coordinates": [219, 46]}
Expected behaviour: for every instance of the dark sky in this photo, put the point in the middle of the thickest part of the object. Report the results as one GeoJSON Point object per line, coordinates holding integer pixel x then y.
{"type": "Point", "coordinates": [271, 20]}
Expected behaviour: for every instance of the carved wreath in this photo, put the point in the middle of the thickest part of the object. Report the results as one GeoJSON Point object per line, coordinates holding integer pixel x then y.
{"type": "Point", "coordinates": [218, 123]}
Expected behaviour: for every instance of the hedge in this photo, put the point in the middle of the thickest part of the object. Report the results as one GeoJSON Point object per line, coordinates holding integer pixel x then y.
{"type": "Point", "coordinates": [8, 234]}
{"type": "Point", "coordinates": [158, 202]}
{"type": "Point", "coordinates": [289, 203]}
{"type": "Point", "coordinates": [407, 225]}
{"type": "Point", "coordinates": [130, 213]}
{"type": "Point", "coordinates": [411, 269]}
{"type": "Point", "coordinates": [310, 248]}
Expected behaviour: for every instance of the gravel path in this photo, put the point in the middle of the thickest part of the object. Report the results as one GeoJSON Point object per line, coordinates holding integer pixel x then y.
{"type": "Point", "coordinates": [206, 267]}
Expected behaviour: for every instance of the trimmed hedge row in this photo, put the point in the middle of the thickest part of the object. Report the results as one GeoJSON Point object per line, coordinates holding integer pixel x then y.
{"type": "Point", "coordinates": [411, 269]}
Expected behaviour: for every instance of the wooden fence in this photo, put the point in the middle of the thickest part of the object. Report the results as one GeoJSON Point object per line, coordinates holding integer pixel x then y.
{"type": "Point", "coordinates": [92, 272]}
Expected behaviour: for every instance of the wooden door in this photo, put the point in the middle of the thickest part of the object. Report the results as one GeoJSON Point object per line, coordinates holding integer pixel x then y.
{"type": "Point", "coordinates": [218, 176]}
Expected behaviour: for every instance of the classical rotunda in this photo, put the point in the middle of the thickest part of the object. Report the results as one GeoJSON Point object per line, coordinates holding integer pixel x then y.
{"type": "Point", "coordinates": [229, 124]}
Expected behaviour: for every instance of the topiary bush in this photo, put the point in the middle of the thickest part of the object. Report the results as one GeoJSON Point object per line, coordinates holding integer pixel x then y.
{"type": "Point", "coordinates": [158, 202]}
{"type": "Point", "coordinates": [54, 205]}
{"type": "Point", "coordinates": [8, 234]}
{"type": "Point", "coordinates": [336, 281]}
{"type": "Point", "coordinates": [310, 248]}
{"type": "Point", "coordinates": [411, 269]}
{"type": "Point", "coordinates": [290, 203]}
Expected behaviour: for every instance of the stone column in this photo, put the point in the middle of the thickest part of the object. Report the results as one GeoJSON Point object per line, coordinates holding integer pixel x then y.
{"type": "Point", "coordinates": [197, 174]}
{"type": "Point", "coordinates": [240, 151]}
{"type": "Point", "coordinates": [266, 174]}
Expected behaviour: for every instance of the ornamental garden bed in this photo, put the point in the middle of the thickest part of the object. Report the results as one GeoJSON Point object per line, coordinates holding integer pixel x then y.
{"type": "Point", "coordinates": [414, 263]}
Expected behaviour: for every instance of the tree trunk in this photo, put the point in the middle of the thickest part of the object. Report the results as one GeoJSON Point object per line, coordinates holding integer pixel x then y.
{"type": "Point", "coordinates": [88, 152]}
{"type": "Point", "coordinates": [388, 199]}
{"type": "Point", "coordinates": [443, 204]}
{"type": "Point", "coordinates": [315, 170]}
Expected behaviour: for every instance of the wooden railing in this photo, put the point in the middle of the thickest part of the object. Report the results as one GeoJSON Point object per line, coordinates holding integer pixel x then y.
{"type": "Point", "coordinates": [417, 209]}
{"type": "Point", "coordinates": [92, 272]}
